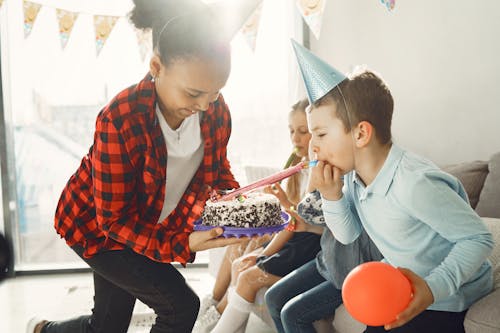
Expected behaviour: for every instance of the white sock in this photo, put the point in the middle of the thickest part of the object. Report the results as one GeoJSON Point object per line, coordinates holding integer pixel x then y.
{"type": "Point", "coordinates": [235, 316]}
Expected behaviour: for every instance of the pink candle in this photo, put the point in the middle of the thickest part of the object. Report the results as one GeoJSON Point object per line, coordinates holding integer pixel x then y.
{"type": "Point", "coordinates": [274, 178]}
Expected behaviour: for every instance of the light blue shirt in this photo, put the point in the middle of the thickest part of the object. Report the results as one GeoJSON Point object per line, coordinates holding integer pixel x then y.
{"type": "Point", "coordinates": [419, 218]}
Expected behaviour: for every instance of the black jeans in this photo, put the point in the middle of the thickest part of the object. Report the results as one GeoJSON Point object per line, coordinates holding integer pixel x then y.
{"type": "Point", "coordinates": [429, 322]}
{"type": "Point", "coordinates": [121, 277]}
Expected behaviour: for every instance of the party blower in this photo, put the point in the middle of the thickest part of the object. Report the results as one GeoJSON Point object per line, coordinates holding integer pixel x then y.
{"type": "Point", "coordinates": [274, 178]}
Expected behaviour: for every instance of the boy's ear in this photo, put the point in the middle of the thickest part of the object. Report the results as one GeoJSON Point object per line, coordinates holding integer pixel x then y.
{"type": "Point", "coordinates": [363, 134]}
{"type": "Point", "coordinates": [155, 66]}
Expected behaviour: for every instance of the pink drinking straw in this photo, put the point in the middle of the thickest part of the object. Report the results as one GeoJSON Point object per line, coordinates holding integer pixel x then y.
{"type": "Point", "coordinates": [274, 178]}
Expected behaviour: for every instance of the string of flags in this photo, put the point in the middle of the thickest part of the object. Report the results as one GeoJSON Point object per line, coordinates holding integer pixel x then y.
{"type": "Point", "coordinates": [312, 12]}
{"type": "Point", "coordinates": [389, 4]}
{"type": "Point", "coordinates": [103, 25]}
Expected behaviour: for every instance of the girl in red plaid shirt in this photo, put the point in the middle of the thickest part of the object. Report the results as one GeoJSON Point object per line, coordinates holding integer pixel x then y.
{"type": "Point", "coordinates": [128, 210]}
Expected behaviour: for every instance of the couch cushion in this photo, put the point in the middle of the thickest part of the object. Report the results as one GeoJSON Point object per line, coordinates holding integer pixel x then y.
{"type": "Point", "coordinates": [494, 227]}
{"type": "Point", "coordinates": [472, 175]}
{"type": "Point", "coordinates": [489, 199]}
{"type": "Point", "coordinates": [484, 315]}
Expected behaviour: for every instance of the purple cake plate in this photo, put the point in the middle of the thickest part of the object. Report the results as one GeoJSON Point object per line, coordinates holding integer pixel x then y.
{"type": "Point", "coordinates": [245, 232]}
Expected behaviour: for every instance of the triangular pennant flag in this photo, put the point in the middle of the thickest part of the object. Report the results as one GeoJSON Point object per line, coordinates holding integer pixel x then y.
{"type": "Point", "coordinates": [251, 28]}
{"type": "Point", "coordinates": [30, 13]}
{"type": "Point", "coordinates": [103, 26]}
{"type": "Point", "coordinates": [145, 42]}
{"type": "Point", "coordinates": [66, 22]}
{"type": "Point", "coordinates": [318, 76]}
{"type": "Point", "coordinates": [389, 4]}
{"type": "Point", "coordinates": [233, 14]}
{"type": "Point", "coordinates": [312, 11]}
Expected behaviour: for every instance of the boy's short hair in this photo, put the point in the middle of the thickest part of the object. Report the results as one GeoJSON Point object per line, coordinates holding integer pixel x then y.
{"type": "Point", "coordinates": [368, 99]}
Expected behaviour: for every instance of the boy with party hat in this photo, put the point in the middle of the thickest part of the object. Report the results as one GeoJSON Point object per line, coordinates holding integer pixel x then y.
{"type": "Point", "coordinates": [418, 216]}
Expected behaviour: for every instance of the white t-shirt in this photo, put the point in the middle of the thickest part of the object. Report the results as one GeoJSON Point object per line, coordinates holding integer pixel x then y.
{"type": "Point", "coordinates": [185, 153]}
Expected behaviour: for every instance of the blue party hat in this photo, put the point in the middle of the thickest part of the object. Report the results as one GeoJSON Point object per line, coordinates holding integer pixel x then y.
{"type": "Point", "coordinates": [318, 76]}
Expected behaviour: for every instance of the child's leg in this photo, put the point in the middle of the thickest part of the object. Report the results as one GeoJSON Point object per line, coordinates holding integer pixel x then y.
{"type": "Point", "coordinates": [240, 302]}
{"type": "Point", "coordinates": [299, 314]}
{"type": "Point", "coordinates": [235, 316]}
{"type": "Point", "coordinates": [240, 264]}
{"type": "Point", "coordinates": [290, 286]}
{"type": "Point", "coordinates": [257, 242]}
{"type": "Point", "coordinates": [224, 274]}
{"type": "Point", "coordinates": [252, 280]}
{"type": "Point", "coordinates": [221, 306]}
{"type": "Point", "coordinates": [430, 322]}
{"type": "Point", "coordinates": [237, 266]}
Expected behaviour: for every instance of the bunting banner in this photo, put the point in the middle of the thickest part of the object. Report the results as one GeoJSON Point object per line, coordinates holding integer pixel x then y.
{"type": "Point", "coordinates": [103, 26]}
{"type": "Point", "coordinates": [251, 28]}
{"type": "Point", "coordinates": [312, 11]}
{"type": "Point", "coordinates": [389, 4]}
{"type": "Point", "coordinates": [31, 11]}
{"type": "Point", "coordinates": [66, 22]}
{"type": "Point", "coordinates": [145, 42]}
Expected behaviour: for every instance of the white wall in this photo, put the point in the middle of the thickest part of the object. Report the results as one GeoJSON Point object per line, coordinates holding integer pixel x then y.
{"type": "Point", "coordinates": [441, 60]}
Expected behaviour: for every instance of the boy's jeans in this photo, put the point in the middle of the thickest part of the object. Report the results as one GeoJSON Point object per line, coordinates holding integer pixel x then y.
{"type": "Point", "coordinates": [300, 298]}
{"type": "Point", "coordinates": [122, 276]}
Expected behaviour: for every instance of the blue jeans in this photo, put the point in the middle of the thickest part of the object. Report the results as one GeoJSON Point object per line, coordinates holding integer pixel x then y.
{"type": "Point", "coordinates": [121, 277]}
{"type": "Point", "coordinates": [300, 298]}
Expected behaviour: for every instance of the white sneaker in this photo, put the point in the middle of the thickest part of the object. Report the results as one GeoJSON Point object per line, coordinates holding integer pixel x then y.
{"type": "Point", "coordinates": [207, 321]}
{"type": "Point", "coordinates": [205, 303]}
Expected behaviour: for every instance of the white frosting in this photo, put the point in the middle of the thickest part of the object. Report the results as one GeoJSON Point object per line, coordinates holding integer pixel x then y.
{"type": "Point", "coordinates": [256, 210]}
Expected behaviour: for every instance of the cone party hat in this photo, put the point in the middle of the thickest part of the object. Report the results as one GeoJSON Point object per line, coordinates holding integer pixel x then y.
{"type": "Point", "coordinates": [318, 76]}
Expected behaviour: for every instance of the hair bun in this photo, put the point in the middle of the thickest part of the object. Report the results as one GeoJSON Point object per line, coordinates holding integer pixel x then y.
{"type": "Point", "coordinates": [154, 13]}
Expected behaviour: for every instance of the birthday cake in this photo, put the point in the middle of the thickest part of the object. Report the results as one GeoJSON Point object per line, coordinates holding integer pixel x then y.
{"type": "Point", "coordinates": [254, 210]}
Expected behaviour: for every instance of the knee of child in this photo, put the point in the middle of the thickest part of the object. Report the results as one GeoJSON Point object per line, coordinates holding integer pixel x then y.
{"type": "Point", "coordinates": [236, 263]}
{"type": "Point", "coordinates": [270, 298]}
{"type": "Point", "coordinates": [287, 312]}
{"type": "Point", "coordinates": [248, 279]}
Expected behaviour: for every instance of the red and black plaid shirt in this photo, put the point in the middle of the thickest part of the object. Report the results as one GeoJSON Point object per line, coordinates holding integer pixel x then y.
{"type": "Point", "coordinates": [115, 198]}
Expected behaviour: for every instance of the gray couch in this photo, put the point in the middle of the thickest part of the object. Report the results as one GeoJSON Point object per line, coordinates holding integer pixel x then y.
{"type": "Point", "coordinates": [481, 180]}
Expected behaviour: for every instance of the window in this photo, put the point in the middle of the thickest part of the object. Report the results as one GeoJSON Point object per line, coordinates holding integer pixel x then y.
{"type": "Point", "coordinates": [52, 97]}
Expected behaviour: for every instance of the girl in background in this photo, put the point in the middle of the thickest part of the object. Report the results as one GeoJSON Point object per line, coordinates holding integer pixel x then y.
{"type": "Point", "coordinates": [267, 264]}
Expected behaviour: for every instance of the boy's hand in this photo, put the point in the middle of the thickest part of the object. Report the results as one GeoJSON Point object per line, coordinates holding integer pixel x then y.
{"type": "Point", "coordinates": [422, 298]}
{"type": "Point", "coordinates": [204, 240]}
{"type": "Point", "coordinates": [327, 179]}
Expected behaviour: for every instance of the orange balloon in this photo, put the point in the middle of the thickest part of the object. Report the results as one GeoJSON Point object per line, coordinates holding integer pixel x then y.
{"type": "Point", "coordinates": [374, 293]}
